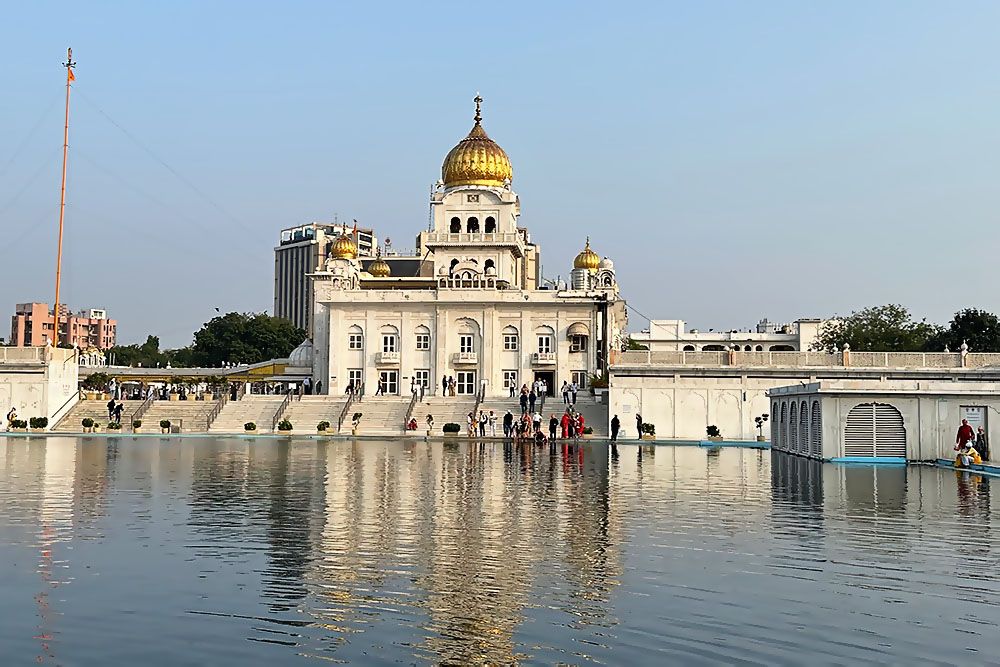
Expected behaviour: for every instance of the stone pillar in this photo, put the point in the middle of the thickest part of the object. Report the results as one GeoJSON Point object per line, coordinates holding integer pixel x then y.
{"type": "Point", "coordinates": [846, 355]}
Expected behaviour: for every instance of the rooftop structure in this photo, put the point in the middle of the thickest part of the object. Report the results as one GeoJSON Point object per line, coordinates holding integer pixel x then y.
{"type": "Point", "coordinates": [31, 325]}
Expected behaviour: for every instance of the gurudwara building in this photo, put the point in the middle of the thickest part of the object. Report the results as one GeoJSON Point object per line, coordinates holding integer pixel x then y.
{"type": "Point", "coordinates": [471, 303]}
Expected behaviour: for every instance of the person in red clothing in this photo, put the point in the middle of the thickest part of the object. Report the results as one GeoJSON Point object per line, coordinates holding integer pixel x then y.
{"type": "Point", "coordinates": [964, 436]}
{"type": "Point", "coordinates": [565, 424]}
{"type": "Point", "coordinates": [579, 423]}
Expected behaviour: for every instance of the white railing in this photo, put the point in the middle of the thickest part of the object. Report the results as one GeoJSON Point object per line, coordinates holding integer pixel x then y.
{"type": "Point", "coordinates": [544, 357]}
{"type": "Point", "coordinates": [387, 358]}
{"type": "Point", "coordinates": [477, 238]}
{"type": "Point", "coordinates": [808, 359]}
{"type": "Point", "coordinates": [465, 358]}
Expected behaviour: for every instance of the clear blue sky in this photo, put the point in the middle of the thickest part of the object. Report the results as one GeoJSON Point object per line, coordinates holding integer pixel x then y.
{"type": "Point", "coordinates": [738, 160]}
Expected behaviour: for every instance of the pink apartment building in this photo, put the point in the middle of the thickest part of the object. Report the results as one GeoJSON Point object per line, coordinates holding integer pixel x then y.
{"type": "Point", "coordinates": [31, 325]}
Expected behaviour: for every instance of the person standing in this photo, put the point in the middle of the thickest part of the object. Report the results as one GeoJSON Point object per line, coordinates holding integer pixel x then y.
{"type": "Point", "coordinates": [307, 386]}
{"type": "Point", "coordinates": [565, 392]}
{"type": "Point", "coordinates": [982, 444]}
{"type": "Point", "coordinates": [638, 426]}
{"type": "Point", "coordinates": [421, 387]}
{"type": "Point", "coordinates": [444, 386]}
{"type": "Point", "coordinates": [512, 389]}
{"type": "Point", "coordinates": [319, 387]}
{"type": "Point", "coordinates": [11, 418]}
{"type": "Point", "coordinates": [553, 425]}
{"type": "Point", "coordinates": [452, 384]}
{"type": "Point", "coordinates": [413, 387]}
{"type": "Point", "coordinates": [565, 424]}
{"type": "Point", "coordinates": [536, 422]}
{"type": "Point", "coordinates": [532, 397]}
{"type": "Point", "coordinates": [524, 402]}
{"type": "Point", "coordinates": [508, 424]}
{"type": "Point", "coordinates": [573, 388]}
{"type": "Point", "coordinates": [380, 388]}
{"type": "Point", "coordinates": [493, 424]}
{"type": "Point", "coordinates": [483, 419]}
{"type": "Point", "coordinates": [111, 410]}
{"type": "Point", "coordinates": [964, 436]}
{"type": "Point", "coordinates": [615, 427]}
{"type": "Point", "coordinates": [470, 424]}
{"type": "Point", "coordinates": [118, 412]}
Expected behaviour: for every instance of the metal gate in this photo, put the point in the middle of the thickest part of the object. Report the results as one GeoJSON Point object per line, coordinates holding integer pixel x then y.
{"type": "Point", "coordinates": [874, 429]}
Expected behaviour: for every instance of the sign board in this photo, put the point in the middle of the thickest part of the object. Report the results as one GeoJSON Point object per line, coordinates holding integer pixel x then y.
{"type": "Point", "coordinates": [976, 414]}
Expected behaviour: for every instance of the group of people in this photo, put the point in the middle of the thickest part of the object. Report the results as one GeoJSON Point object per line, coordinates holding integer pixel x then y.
{"type": "Point", "coordinates": [115, 409]}
{"type": "Point", "coordinates": [972, 445]}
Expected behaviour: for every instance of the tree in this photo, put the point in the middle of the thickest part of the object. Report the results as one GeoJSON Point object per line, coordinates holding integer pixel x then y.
{"type": "Point", "coordinates": [148, 354]}
{"type": "Point", "coordinates": [244, 338]}
{"type": "Point", "coordinates": [979, 329]}
{"type": "Point", "coordinates": [888, 328]}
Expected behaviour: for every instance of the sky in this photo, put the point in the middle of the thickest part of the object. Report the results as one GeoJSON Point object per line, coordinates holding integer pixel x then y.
{"type": "Point", "coordinates": [737, 160]}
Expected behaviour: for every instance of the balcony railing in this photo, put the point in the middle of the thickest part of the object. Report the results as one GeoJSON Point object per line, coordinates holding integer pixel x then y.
{"type": "Point", "coordinates": [465, 358]}
{"type": "Point", "coordinates": [477, 238]}
{"type": "Point", "coordinates": [387, 358]}
{"type": "Point", "coordinates": [544, 358]}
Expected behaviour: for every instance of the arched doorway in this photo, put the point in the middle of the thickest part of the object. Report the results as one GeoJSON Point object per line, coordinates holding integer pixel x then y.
{"type": "Point", "coordinates": [874, 429]}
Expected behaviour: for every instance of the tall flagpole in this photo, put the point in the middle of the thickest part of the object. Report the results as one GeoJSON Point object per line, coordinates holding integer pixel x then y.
{"type": "Point", "coordinates": [69, 65]}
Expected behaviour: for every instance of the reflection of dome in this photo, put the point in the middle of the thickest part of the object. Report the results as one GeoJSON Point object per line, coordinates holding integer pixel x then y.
{"type": "Point", "coordinates": [302, 355]}
{"type": "Point", "coordinates": [344, 248]}
{"type": "Point", "coordinates": [606, 264]}
{"type": "Point", "coordinates": [477, 159]}
{"type": "Point", "coordinates": [379, 268]}
{"type": "Point", "coordinates": [587, 259]}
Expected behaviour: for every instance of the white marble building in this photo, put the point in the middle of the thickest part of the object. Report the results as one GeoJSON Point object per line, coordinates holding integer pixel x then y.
{"type": "Point", "coordinates": [673, 335]}
{"type": "Point", "coordinates": [471, 304]}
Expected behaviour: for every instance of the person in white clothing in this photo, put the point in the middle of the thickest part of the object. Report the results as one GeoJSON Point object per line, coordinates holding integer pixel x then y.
{"type": "Point", "coordinates": [493, 424]}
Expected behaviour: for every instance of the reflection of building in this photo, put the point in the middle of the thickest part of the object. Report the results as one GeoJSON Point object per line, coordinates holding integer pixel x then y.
{"type": "Point", "coordinates": [672, 335]}
{"type": "Point", "coordinates": [31, 326]}
{"type": "Point", "coordinates": [299, 251]}
{"type": "Point", "coordinates": [472, 304]}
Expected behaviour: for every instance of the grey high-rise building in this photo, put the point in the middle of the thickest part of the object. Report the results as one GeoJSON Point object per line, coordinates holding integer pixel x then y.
{"type": "Point", "coordinates": [299, 252]}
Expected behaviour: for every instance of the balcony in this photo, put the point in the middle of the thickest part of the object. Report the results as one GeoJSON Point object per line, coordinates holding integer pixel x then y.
{"type": "Point", "coordinates": [465, 358]}
{"type": "Point", "coordinates": [497, 239]}
{"type": "Point", "coordinates": [544, 358]}
{"type": "Point", "coordinates": [386, 358]}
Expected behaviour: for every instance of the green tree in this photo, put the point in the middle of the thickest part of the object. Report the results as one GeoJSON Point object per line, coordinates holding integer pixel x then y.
{"type": "Point", "coordinates": [244, 337]}
{"type": "Point", "coordinates": [147, 355]}
{"type": "Point", "coordinates": [888, 328]}
{"type": "Point", "coordinates": [979, 329]}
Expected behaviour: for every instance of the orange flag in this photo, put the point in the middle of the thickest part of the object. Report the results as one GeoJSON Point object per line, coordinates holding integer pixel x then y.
{"type": "Point", "coordinates": [70, 75]}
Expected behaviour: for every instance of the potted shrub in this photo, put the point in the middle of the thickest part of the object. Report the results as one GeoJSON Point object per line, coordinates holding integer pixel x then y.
{"type": "Point", "coordinates": [322, 427]}
{"type": "Point", "coordinates": [284, 426]}
{"type": "Point", "coordinates": [88, 425]}
{"type": "Point", "coordinates": [38, 423]}
{"type": "Point", "coordinates": [114, 426]}
{"type": "Point", "coordinates": [355, 422]}
{"type": "Point", "coordinates": [97, 427]}
{"type": "Point", "coordinates": [451, 429]}
{"type": "Point", "coordinates": [136, 425]}
{"type": "Point", "coordinates": [714, 434]}
{"type": "Point", "coordinates": [588, 431]}
{"type": "Point", "coordinates": [164, 426]}
{"type": "Point", "coordinates": [648, 431]}
{"type": "Point", "coordinates": [250, 427]}
{"type": "Point", "coordinates": [18, 425]}
{"type": "Point", "coordinates": [95, 384]}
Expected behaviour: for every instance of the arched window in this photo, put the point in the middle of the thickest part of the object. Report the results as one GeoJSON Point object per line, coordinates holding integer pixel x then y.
{"type": "Point", "coordinates": [423, 338]}
{"type": "Point", "coordinates": [793, 431]}
{"type": "Point", "coordinates": [491, 225]}
{"type": "Point", "coordinates": [782, 348]}
{"type": "Point", "coordinates": [874, 429]}
{"type": "Point", "coordinates": [489, 264]}
{"type": "Point", "coordinates": [456, 225]}
{"type": "Point", "coordinates": [783, 426]}
{"type": "Point", "coordinates": [775, 431]}
{"type": "Point", "coordinates": [689, 348]}
{"type": "Point", "coordinates": [452, 266]}
{"type": "Point", "coordinates": [473, 225]}
{"type": "Point", "coordinates": [748, 348]}
{"type": "Point", "coordinates": [804, 447]}
{"type": "Point", "coordinates": [355, 338]}
{"type": "Point", "coordinates": [467, 275]}
{"type": "Point", "coordinates": [390, 338]}
{"type": "Point", "coordinates": [510, 339]}
{"type": "Point", "coordinates": [713, 348]}
{"type": "Point", "coordinates": [760, 348]}
{"type": "Point", "coordinates": [816, 431]}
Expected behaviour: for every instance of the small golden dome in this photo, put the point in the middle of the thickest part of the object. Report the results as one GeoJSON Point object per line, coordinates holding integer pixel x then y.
{"type": "Point", "coordinates": [379, 268]}
{"type": "Point", "coordinates": [587, 259]}
{"type": "Point", "coordinates": [344, 248]}
{"type": "Point", "coordinates": [477, 159]}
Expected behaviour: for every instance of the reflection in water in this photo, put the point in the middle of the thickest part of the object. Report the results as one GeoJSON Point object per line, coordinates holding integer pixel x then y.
{"type": "Point", "coordinates": [485, 553]}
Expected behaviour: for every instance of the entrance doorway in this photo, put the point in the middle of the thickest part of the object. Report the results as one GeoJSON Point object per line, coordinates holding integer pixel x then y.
{"type": "Point", "coordinates": [549, 378]}
{"type": "Point", "coordinates": [390, 380]}
{"type": "Point", "coordinates": [466, 381]}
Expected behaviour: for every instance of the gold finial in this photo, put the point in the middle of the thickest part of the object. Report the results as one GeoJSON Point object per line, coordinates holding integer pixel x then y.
{"type": "Point", "coordinates": [479, 111]}
{"type": "Point", "coordinates": [587, 246]}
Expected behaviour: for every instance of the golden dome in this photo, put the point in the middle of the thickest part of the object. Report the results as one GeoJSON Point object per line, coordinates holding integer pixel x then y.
{"type": "Point", "coordinates": [344, 248]}
{"type": "Point", "coordinates": [477, 159]}
{"type": "Point", "coordinates": [379, 268]}
{"type": "Point", "coordinates": [587, 259]}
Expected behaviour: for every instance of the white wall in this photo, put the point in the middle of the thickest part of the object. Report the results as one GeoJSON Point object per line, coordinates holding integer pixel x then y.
{"type": "Point", "coordinates": [40, 383]}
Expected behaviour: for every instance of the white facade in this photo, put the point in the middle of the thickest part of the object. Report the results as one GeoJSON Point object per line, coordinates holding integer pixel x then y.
{"type": "Point", "coordinates": [862, 419]}
{"type": "Point", "coordinates": [673, 335]}
{"type": "Point", "coordinates": [38, 381]}
{"type": "Point", "coordinates": [472, 311]}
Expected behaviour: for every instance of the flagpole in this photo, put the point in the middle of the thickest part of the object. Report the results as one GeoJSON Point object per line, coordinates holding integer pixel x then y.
{"type": "Point", "coordinates": [69, 65]}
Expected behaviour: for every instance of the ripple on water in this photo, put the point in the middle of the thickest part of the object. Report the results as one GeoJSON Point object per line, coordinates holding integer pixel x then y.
{"type": "Point", "coordinates": [227, 551]}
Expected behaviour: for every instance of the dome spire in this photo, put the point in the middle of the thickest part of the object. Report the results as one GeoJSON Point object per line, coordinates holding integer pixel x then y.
{"type": "Point", "coordinates": [477, 159]}
{"type": "Point", "coordinates": [479, 108]}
